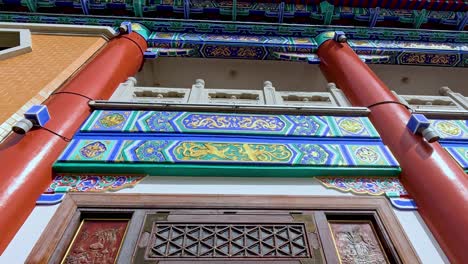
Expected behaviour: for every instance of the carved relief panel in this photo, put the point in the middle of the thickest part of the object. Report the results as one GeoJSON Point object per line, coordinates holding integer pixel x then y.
{"type": "Point", "coordinates": [97, 241]}
{"type": "Point", "coordinates": [356, 242]}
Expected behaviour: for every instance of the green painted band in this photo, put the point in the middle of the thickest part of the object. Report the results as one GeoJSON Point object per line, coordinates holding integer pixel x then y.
{"type": "Point", "coordinates": [321, 38]}
{"type": "Point", "coordinates": [221, 171]}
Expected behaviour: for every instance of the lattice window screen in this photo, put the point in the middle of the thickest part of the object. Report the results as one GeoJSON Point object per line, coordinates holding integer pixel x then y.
{"type": "Point", "coordinates": [249, 236]}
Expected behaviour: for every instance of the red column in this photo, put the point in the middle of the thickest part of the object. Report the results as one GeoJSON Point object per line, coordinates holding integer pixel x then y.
{"type": "Point", "coordinates": [437, 183]}
{"type": "Point", "coordinates": [26, 161]}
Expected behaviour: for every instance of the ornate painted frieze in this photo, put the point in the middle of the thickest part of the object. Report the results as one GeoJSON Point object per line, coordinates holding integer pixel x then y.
{"type": "Point", "coordinates": [391, 187]}
{"type": "Point", "coordinates": [230, 151]}
{"type": "Point", "coordinates": [64, 183]}
{"type": "Point", "coordinates": [300, 48]}
{"type": "Point", "coordinates": [196, 143]}
{"type": "Point", "coordinates": [436, 15]}
{"type": "Point", "coordinates": [209, 123]}
{"type": "Point", "coordinates": [92, 183]}
{"type": "Point", "coordinates": [292, 44]}
{"type": "Point", "coordinates": [365, 185]}
{"type": "Point", "coordinates": [219, 27]}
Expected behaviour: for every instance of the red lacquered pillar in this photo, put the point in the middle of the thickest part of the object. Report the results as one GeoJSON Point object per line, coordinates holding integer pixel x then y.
{"type": "Point", "coordinates": [432, 177]}
{"type": "Point", "coordinates": [26, 161]}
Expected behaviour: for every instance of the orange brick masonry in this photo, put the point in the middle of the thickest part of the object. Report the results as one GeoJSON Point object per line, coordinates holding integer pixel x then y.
{"type": "Point", "coordinates": [30, 78]}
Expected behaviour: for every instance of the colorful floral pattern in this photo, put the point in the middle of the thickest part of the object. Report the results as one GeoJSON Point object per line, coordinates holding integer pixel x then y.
{"type": "Point", "coordinates": [314, 154]}
{"type": "Point", "coordinates": [93, 183]}
{"type": "Point", "coordinates": [238, 151]}
{"type": "Point", "coordinates": [195, 122]}
{"type": "Point", "coordinates": [159, 121]}
{"type": "Point", "coordinates": [364, 185]}
{"type": "Point", "coordinates": [151, 150]}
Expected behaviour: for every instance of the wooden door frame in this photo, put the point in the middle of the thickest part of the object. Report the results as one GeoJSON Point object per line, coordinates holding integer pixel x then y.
{"type": "Point", "coordinates": [68, 214]}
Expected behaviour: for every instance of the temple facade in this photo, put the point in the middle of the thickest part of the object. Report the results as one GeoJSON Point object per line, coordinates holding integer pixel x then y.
{"type": "Point", "coordinates": [233, 131]}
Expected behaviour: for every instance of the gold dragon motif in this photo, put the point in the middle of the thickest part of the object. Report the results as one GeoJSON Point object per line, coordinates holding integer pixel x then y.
{"type": "Point", "coordinates": [243, 152]}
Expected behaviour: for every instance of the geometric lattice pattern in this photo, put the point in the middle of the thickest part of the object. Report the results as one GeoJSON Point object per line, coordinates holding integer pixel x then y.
{"type": "Point", "coordinates": [227, 241]}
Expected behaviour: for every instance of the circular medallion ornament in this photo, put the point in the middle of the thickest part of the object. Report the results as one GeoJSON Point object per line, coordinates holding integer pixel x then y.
{"type": "Point", "coordinates": [448, 128]}
{"type": "Point", "coordinates": [93, 150]}
{"type": "Point", "coordinates": [112, 120]}
{"type": "Point", "coordinates": [314, 154]}
{"type": "Point", "coordinates": [351, 125]}
{"type": "Point", "coordinates": [150, 151]}
{"type": "Point", "coordinates": [367, 155]}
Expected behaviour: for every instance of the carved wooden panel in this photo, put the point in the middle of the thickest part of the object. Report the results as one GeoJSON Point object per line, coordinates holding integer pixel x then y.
{"type": "Point", "coordinates": [356, 242]}
{"type": "Point", "coordinates": [225, 241]}
{"type": "Point", "coordinates": [97, 241]}
{"type": "Point", "coordinates": [201, 235]}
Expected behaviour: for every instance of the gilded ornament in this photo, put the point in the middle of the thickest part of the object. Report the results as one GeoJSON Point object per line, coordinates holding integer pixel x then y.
{"type": "Point", "coordinates": [448, 128]}
{"type": "Point", "coordinates": [417, 58]}
{"type": "Point", "coordinates": [93, 150]}
{"type": "Point", "coordinates": [112, 120]}
{"type": "Point", "coordinates": [221, 52]}
{"type": "Point", "coordinates": [257, 123]}
{"type": "Point", "coordinates": [242, 152]}
{"type": "Point", "coordinates": [200, 121]}
{"type": "Point", "coordinates": [208, 122]}
{"type": "Point", "coordinates": [351, 125]}
{"type": "Point", "coordinates": [246, 52]}
{"type": "Point", "coordinates": [440, 59]}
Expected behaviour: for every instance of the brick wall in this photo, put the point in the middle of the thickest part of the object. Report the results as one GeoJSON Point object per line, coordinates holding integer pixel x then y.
{"type": "Point", "coordinates": [30, 78]}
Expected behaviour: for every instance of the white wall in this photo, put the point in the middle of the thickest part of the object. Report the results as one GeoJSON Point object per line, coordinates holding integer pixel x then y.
{"type": "Point", "coordinates": [423, 242]}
